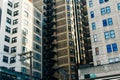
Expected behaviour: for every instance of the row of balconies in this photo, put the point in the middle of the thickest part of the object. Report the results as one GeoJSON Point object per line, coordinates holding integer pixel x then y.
{"type": "Point", "coordinates": [49, 38]}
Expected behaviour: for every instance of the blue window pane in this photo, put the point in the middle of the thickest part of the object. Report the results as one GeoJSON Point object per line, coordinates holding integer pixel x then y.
{"type": "Point", "coordinates": [90, 3]}
{"type": "Point", "coordinates": [106, 34]}
{"type": "Point", "coordinates": [93, 26]}
{"type": "Point", "coordinates": [108, 9]}
{"type": "Point", "coordinates": [114, 46]}
{"type": "Point", "coordinates": [110, 22]}
{"type": "Point", "coordinates": [101, 1]}
{"type": "Point", "coordinates": [109, 49]}
{"type": "Point", "coordinates": [92, 14]}
{"type": "Point", "coordinates": [102, 11]}
{"type": "Point", "coordinates": [106, 0]}
{"type": "Point", "coordinates": [104, 22]}
{"type": "Point", "coordinates": [112, 34]}
{"type": "Point", "coordinates": [118, 5]}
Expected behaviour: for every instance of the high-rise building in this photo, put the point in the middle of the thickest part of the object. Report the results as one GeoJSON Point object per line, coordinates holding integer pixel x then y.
{"type": "Point", "coordinates": [103, 16]}
{"type": "Point", "coordinates": [65, 37]}
{"type": "Point", "coordinates": [21, 32]}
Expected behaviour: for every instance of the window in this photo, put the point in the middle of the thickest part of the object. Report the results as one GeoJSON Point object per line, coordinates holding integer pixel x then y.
{"type": "Point", "coordinates": [111, 60]}
{"type": "Point", "coordinates": [106, 34]}
{"type": "Point", "coordinates": [25, 31]}
{"type": "Point", "coordinates": [112, 34]}
{"type": "Point", "coordinates": [37, 23]}
{"type": "Point", "coordinates": [109, 34]}
{"type": "Point", "coordinates": [7, 39]}
{"type": "Point", "coordinates": [16, 5]}
{"type": "Point", "coordinates": [97, 51]}
{"type": "Point", "coordinates": [72, 59]}
{"type": "Point", "coordinates": [25, 22]}
{"type": "Point", "coordinates": [36, 65]}
{"type": "Point", "coordinates": [72, 51]}
{"type": "Point", "coordinates": [69, 14]}
{"type": "Point", "coordinates": [118, 6]}
{"type": "Point", "coordinates": [26, 13]}
{"type": "Point", "coordinates": [93, 26]}
{"type": "Point", "coordinates": [103, 11]}
{"type": "Point", "coordinates": [15, 21]}
{"type": "Point", "coordinates": [14, 30]}
{"type": "Point", "coordinates": [70, 21]}
{"type": "Point", "coordinates": [114, 46]}
{"type": "Point", "coordinates": [24, 49]}
{"type": "Point", "coordinates": [37, 15]}
{"type": "Point", "coordinates": [37, 75]}
{"type": "Point", "coordinates": [107, 22]}
{"type": "Point", "coordinates": [70, 36]}
{"type": "Point", "coordinates": [9, 12]}
{"type": "Point", "coordinates": [14, 39]}
{"type": "Point", "coordinates": [7, 29]}
{"type": "Point", "coordinates": [92, 14]}
{"type": "Point", "coordinates": [68, 7]}
{"type": "Point", "coordinates": [71, 43]}
{"type": "Point", "coordinates": [37, 56]}
{"type": "Point", "coordinates": [109, 48]}
{"type": "Point", "coordinates": [37, 46]}
{"type": "Point", "coordinates": [106, 0]}
{"type": "Point", "coordinates": [110, 22]}
{"type": "Point", "coordinates": [90, 3]}
{"type": "Point", "coordinates": [37, 38]}
{"type": "Point", "coordinates": [6, 48]}
{"type": "Point", "coordinates": [13, 49]}
{"type": "Point", "coordinates": [16, 13]}
{"type": "Point", "coordinates": [24, 40]}
{"type": "Point", "coordinates": [117, 59]}
{"type": "Point", "coordinates": [12, 60]}
{"type": "Point", "coordinates": [98, 63]}
{"type": "Point", "coordinates": [104, 22]}
{"type": "Point", "coordinates": [95, 38]}
{"type": "Point", "coordinates": [8, 20]}
{"type": "Point", "coordinates": [12, 68]}
{"type": "Point", "coordinates": [23, 69]}
{"type": "Point", "coordinates": [5, 59]}
{"type": "Point", "coordinates": [69, 1]}
{"type": "Point", "coordinates": [108, 9]}
{"type": "Point", "coordinates": [37, 30]}
{"type": "Point", "coordinates": [10, 3]}
{"type": "Point", "coordinates": [102, 1]}
{"type": "Point", "coordinates": [69, 28]}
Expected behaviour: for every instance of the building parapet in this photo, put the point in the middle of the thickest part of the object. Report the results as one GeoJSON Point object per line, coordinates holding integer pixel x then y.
{"type": "Point", "coordinates": [100, 71]}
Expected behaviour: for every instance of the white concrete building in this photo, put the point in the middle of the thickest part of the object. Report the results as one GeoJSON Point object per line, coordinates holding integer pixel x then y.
{"type": "Point", "coordinates": [104, 17]}
{"type": "Point", "coordinates": [20, 32]}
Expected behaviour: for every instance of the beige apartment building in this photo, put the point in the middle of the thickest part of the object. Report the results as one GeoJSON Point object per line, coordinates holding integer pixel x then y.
{"type": "Point", "coordinates": [103, 16]}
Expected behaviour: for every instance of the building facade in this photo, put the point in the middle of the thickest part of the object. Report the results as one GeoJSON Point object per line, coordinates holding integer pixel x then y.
{"type": "Point", "coordinates": [21, 32]}
{"type": "Point", "coordinates": [63, 39]}
{"type": "Point", "coordinates": [103, 16]}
